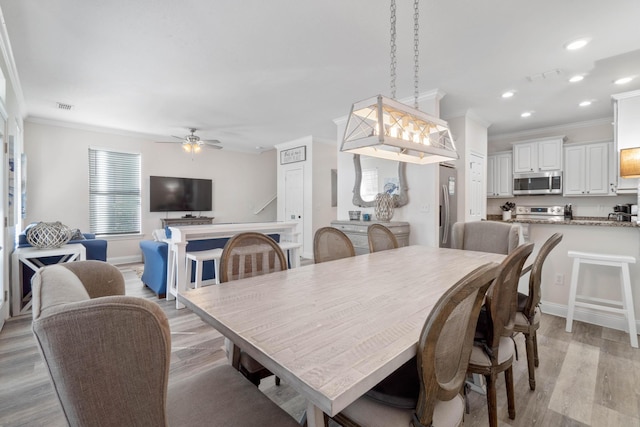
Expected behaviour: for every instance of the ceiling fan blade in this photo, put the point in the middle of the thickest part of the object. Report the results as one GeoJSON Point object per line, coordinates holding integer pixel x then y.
{"type": "Point", "coordinates": [217, 147]}
{"type": "Point", "coordinates": [167, 142]}
{"type": "Point", "coordinates": [178, 137]}
{"type": "Point", "coordinates": [211, 141]}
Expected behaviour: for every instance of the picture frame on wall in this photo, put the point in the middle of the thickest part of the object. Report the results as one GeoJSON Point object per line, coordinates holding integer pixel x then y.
{"type": "Point", "coordinates": [293, 155]}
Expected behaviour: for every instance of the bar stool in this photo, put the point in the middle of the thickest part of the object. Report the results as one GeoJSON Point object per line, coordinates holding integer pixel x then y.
{"type": "Point", "coordinates": [200, 257]}
{"type": "Point", "coordinates": [623, 306]}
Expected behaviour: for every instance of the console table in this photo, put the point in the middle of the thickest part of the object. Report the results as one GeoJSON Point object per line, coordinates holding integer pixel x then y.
{"type": "Point", "coordinates": [30, 257]}
{"type": "Point", "coordinates": [356, 231]}
{"type": "Point", "coordinates": [196, 220]}
{"type": "Point", "coordinates": [180, 236]}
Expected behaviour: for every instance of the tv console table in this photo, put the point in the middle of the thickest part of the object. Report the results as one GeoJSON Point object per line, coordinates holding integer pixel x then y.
{"type": "Point", "coordinates": [196, 220]}
{"type": "Point", "coordinates": [180, 236]}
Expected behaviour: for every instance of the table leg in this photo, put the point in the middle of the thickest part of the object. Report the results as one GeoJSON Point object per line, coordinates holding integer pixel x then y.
{"type": "Point", "coordinates": [315, 417]}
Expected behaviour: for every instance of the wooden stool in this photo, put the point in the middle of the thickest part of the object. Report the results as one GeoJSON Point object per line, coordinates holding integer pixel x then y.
{"type": "Point", "coordinates": [200, 257]}
{"type": "Point", "coordinates": [623, 306]}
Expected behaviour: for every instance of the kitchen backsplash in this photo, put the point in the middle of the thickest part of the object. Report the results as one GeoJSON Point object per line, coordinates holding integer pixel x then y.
{"type": "Point", "coordinates": [582, 206]}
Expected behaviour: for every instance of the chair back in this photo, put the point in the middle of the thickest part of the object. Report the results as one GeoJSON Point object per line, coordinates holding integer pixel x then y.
{"type": "Point", "coordinates": [108, 357]}
{"type": "Point", "coordinates": [250, 254]}
{"type": "Point", "coordinates": [535, 277]}
{"type": "Point", "coordinates": [485, 236]}
{"type": "Point", "coordinates": [380, 238]}
{"type": "Point", "coordinates": [446, 340]}
{"type": "Point", "coordinates": [502, 298]}
{"type": "Point", "coordinates": [330, 244]}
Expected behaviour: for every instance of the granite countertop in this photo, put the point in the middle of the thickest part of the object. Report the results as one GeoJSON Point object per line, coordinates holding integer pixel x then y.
{"type": "Point", "coordinates": [579, 220]}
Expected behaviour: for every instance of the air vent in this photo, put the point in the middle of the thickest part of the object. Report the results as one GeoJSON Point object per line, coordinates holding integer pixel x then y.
{"type": "Point", "coordinates": [64, 106]}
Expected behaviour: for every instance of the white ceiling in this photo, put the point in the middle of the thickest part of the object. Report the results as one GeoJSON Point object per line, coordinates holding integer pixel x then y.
{"type": "Point", "coordinates": [257, 73]}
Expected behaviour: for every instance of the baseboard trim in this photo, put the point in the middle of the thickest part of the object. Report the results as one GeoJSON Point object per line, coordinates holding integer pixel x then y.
{"type": "Point", "coordinates": [588, 316]}
{"type": "Point", "coordinates": [125, 260]}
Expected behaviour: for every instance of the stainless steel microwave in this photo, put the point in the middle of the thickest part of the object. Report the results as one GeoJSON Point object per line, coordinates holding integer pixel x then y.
{"type": "Point", "coordinates": [537, 183]}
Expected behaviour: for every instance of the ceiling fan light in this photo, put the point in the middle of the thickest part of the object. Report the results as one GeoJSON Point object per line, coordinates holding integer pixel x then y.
{"type": "Point", "coordinates": [186, 147]}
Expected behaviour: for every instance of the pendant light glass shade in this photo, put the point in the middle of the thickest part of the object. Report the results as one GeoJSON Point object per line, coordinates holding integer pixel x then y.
{"type": "Point", "coordinates": [384, 128]}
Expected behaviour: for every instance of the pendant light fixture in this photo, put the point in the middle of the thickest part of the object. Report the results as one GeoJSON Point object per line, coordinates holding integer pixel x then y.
{"type": "Point", "coordinates": [385, 128]}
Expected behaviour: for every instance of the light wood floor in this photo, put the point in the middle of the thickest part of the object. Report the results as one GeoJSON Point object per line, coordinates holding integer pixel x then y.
{"type": "Point", "coordinates": [590, 377]}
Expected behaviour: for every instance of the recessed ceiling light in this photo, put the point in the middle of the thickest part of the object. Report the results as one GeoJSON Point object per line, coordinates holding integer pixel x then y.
{"type": "Point", "coordinates": [585, 103]}
{"type": "Point", "coordinates": [508, 94]}
{"type": "Point", "coordinates": [526, 114]}
{"type": "Point", "coordinates": [576, 78]}
{"type": "Point", "coordinates": [576, 44]}
{"type": "Point", "coordinates": [623, 80]}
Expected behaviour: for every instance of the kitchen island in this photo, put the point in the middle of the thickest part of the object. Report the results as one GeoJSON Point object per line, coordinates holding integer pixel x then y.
{"type": "Point", "coordinates": [585, 234]}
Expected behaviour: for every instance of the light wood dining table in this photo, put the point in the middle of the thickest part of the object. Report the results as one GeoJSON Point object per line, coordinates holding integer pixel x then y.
{"type": "Point", "coordinates": [334, 330]}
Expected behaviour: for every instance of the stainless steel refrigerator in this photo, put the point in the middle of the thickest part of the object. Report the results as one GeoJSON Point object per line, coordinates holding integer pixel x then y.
{"type": "Point", "coordinates": [448, 203]}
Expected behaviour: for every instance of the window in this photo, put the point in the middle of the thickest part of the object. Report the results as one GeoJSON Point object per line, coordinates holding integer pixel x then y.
{"type": "Point", "coordinates": [114, 192]}
{"type": "Point", "coordinates": [369, 185]}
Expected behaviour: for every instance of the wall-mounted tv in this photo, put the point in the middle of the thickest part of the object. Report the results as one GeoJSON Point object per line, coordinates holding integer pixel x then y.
{"type": "Point", "coordinates": [170, 194]}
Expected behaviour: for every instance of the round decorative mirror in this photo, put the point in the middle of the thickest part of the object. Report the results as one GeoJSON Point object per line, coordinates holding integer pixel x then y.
{"type": "Point", "coordinates": [375, 176]}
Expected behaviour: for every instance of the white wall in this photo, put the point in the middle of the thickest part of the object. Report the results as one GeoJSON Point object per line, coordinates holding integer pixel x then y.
{"type": "Point", "coordinates": [58, 183]}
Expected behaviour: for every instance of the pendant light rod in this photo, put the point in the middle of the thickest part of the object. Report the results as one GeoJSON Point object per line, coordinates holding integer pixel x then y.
{"type": "Point", "coordinates": [416, 51]}
{"type": "Point", "coordinates": [394, 61]}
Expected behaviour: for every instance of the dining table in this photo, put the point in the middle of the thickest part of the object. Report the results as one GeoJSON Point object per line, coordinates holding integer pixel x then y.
{"type": "Point", "coordinates": [334, 330]}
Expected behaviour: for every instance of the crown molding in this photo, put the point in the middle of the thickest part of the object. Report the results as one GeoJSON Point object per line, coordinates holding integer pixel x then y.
{"type": "Point", "coordinates": [12, 71]}
{"type": "Point", "coordinates": [556, 128]}
{"type": "Point", "coordinates": [126, 133]}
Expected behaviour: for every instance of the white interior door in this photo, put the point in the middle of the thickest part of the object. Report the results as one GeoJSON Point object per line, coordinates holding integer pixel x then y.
{"type": "Point", "coordinates": [294, 198]}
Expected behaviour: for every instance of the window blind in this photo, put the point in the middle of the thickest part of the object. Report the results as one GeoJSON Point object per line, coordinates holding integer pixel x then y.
{"type": "Point", "coordinates": [114, 192]}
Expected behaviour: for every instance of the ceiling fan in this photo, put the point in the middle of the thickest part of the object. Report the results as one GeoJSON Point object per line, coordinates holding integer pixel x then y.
{"type": "Point", "coordinates": [193, 144]}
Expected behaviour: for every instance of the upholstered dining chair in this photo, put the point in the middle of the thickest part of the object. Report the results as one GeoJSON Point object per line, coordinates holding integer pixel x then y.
{"type": "Point", "coordinates": [528, 313]}
{"type": "Point", "coordinates": [485, 236]}
{"type": "Point", "coordinates": [108, 357]}
{"type": "Point", "coordinates": [246, 255]}
{"type": "Point", "coordinates": [330, 244]}
{"type": "Point", "coordinates": [438, 371]}
{"type": "Point", "coordinates": [493, 350]}
{"type": "Point", "coordinates": [380, 238]}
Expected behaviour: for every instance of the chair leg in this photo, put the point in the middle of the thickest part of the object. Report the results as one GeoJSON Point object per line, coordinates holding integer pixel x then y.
{"type": "Point", "coordinates": [536, 361]}
{"type": "Point", "coordinates": [530, 359]}
{"type": "Point", "coordinates": [492, 406]}
{"type": "Point", "coordinates": [508, 379]}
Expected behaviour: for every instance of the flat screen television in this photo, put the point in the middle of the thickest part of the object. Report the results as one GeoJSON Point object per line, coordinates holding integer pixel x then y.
{"type": "Point", "coordinates": [171, 194]}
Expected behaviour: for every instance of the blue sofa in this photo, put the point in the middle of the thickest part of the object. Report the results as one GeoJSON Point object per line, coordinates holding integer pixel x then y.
{"type": "Point", "coordinates": [96, 248]}
{"type": "Point", "coordinates": [155, 254]}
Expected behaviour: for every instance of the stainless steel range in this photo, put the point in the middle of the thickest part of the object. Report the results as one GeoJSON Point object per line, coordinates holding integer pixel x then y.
{"type": "Point", "coordinates": [547, 213]}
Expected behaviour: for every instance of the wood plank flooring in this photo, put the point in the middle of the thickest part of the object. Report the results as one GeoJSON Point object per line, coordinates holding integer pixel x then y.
{"type": "Point", "coordinates": [590, 377]}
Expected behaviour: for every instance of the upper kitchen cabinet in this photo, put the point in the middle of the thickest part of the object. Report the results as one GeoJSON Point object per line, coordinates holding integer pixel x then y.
{"type": "Point", "coordinates": [626, 133]}
{"type": "Point", "coordinates": [499, 175]}
{"type": "Point", "coordinates": [588, 170]}
{"type": "Point", "coordinates": [540, 155]}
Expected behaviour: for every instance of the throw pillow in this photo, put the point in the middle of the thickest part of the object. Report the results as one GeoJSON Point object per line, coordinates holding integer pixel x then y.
{"type": "Point", "coordinates": [76, 234]}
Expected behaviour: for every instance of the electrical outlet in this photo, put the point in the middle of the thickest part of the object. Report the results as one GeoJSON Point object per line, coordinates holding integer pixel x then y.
{"type": "Point", "coordinates": [559, 280]}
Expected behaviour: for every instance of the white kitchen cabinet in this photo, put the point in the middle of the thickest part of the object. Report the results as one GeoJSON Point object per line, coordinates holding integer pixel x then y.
{"type": "Point", "coordinates": [587, 170]}
{"type": "Point", "coordinates": [500, 175]}
{"type": "Point", "coordinates": [538, 156]}
{"type": "Point", "coordinates": [627, 134]}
